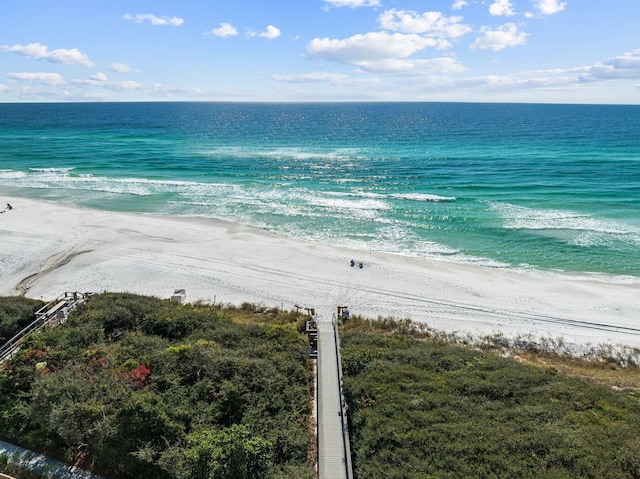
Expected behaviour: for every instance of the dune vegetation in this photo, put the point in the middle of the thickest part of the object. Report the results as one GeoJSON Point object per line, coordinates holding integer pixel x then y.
{"type": "Point", "coordinates": [137, 387]}
{"type": "Point", "coordinates": [16, 312]}
{"type": "Point", "coordinates": [420, 407]}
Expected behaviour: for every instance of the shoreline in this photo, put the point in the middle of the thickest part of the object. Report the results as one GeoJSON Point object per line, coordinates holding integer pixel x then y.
{"type": "Point", "coordinates": [50, 248]}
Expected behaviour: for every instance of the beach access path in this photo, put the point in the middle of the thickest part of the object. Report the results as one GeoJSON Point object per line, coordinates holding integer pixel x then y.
{"type": "Point", "coordinates": [42, 464]}
{"type": "Point", "coordinates": [334, 457]}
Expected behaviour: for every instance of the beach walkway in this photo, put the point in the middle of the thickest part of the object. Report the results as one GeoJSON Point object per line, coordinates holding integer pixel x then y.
{"type": "Point", "coordinates": [51, 314]}
{"type": "Point", "coordinates": [334, 457]}
{"type": "Point", "coordinates": [42, 464]}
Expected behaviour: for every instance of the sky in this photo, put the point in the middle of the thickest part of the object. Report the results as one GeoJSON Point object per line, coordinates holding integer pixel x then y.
{"type": "Point", "coordinates": [533, 51]}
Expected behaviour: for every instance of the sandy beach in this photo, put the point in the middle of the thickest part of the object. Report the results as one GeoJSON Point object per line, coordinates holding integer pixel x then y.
{"type": "Point", "coordinates": [49, 248]}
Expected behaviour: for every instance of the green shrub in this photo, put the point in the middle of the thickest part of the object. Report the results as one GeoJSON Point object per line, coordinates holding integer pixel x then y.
{"type": "Point", "coordinates": [16, 313]}
{"type": "Point", "coordinates": [426, 409]}
{"type": "Point", "coordinates": [144, 388]}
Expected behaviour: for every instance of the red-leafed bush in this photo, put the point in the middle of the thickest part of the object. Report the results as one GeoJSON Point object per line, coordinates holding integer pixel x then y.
{"type": "Point", "coordinates": [138, 376]}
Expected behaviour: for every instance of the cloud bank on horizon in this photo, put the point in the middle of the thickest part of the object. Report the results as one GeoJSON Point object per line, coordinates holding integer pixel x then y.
{"type": "Point", "coordinates": [323, 50]}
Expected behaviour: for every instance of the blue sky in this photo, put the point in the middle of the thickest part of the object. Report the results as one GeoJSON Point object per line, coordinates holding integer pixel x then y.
{"type": "Point", "coordinates": [555, 51]}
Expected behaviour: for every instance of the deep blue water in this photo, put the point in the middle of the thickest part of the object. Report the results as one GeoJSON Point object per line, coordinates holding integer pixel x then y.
{"type": "Point", "coordinates": [549, 187]}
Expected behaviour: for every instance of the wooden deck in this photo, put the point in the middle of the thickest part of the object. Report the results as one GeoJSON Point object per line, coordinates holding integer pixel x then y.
{"type": "Point", "coordinates": [334, 458]}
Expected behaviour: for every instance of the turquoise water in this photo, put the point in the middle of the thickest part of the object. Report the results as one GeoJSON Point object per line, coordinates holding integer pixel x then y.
{"type": "Point", "coordinates": [548, 187]}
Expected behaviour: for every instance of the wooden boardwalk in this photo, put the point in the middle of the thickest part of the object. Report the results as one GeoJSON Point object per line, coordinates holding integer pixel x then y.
{"type": "Point", "coordinates": [334, 457]}
{"type": "Point", "coordinates": [52, 314]}
{"type": "Point", "coordinates": [39, 463]}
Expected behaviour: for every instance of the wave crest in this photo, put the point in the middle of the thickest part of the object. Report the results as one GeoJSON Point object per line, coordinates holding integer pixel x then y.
{"type": "Point", "coordinates": [583, 229]}
{"type": "Point", "coordinates": [51, 170]}
{"type": "Point", "coordinates": [422, 197]}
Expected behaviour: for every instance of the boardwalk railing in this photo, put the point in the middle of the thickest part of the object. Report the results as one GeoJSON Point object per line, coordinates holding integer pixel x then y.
{"type": "Point", "coordinates": [41, 465]}
{"type": "Point", "coordinates": [334, 454]}
{"type": "Point", "coordinates": [343, 412]}
{"type": "Point", "coordinates": [51, 314]}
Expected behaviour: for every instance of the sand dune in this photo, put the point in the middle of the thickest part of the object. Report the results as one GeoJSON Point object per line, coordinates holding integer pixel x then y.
{"type": "Point", "coordinates": [49, 248]}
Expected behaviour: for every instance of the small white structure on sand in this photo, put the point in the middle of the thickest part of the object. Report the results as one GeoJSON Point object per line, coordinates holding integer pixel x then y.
{"type": "Point", "coordinates": [179, 296]}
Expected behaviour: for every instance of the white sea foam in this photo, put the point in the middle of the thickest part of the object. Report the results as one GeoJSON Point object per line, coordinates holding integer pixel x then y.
{"type": "Point", "coordinates": [420, 197]}
{"type": "Point", "coordinates": [582, 276]}
{"type": "Point", "coordinates": [349, 180]}
{"type": "Point", "coordinates": [420, 249]}
{"type": "Point", "coordinates": [393, 238]}
{"type": "Point", "coordinates": [287, 154]}
{"type": "Point", "coordinates": [586, 230]}
{"type": "Point", "coordinates": [425, 197]}
{"type": "Point", "coordinates": [11, 174]}
{"type": "Point", "coordinates": [365, 204]}
{"type": "Point", "coordinates": [58, 178]}
{"type": "Point", "coordinates": [356, 194]}
{"type": "Point", "coordinates": [606, 238]}
{"type": "Point", "coordinates": [52, 170]}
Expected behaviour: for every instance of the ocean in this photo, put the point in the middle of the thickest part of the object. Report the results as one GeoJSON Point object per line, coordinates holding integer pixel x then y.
{"type": "Point", "coordinates": [533, 187]}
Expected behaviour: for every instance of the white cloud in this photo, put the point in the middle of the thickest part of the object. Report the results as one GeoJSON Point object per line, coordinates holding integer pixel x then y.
{"type": "Point", "coordinates": [335, 79]}
{"type": "Point", "coordinates": [156, 21]}
{"type": "Point", "coordinates": [41, 52]}
{"type": "Point", "coordinates": [556, 71]}
{"type": "Point", "coordinates": [501, 8]}
{"type": "Point", "coordinates": [31, 93]}
{"type": "Point", "coordinates": [120, 67]}
{"type": "Point", "coordinates": [502, 84]}
{"type": "Point", "coordinates": [505, 36]}
{"type": "Point", "coordinates": [626, 66]}
{"type": "Point", "coordinates": [90, 82]}
{"type": "Point", "coordinates": [52, 79]}
{"type": "Point", "coordinates": [381, 52]}
{"type": "Point", "coordinates": [270, 33]}
{"type": "Point", "coordinates": [100, 77]}
{"type": "Point", "coordinates": [370, 47]}
{"type": "Point", "coordinates": [160, 90]}
{"type": "Point", "coordinates": [429, 23]}
{"type": "Point", "coordinates": [224, 30]}
{"type": "Point", "coordinates": [315, 77]}
{"type": "Point", "coordinates": [124, 85]}
{"type": "Point", "coordinates": [353, 3]}
{"type": "Point", "coordinates": [513, 82]}
{"type": "Point", "coordinates": [109, 85]}
{"type": "Point", "coordinates": [549, 7]}
{"type": "Point", "coordinates": [433, 66]}
{"type": "Point", "coordinates": [622, 67]}
{"type": "Point", "coordinates": [52, 85]}
{"type": "Point", "coordinates": [459, 4]}
{"type": "Point", "coordinates": [154, 89]}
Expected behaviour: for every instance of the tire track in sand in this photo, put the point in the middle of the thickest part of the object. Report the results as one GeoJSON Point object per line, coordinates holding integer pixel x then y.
{"type": "Point", "coordinates": [52, 263]}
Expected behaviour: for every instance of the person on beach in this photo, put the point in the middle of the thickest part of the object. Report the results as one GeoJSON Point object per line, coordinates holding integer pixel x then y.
{"type": "Point", "coordinates": [9, 207]}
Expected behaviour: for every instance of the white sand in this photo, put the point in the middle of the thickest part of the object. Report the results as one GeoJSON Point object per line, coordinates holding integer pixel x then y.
{"type": "Point", "coordinates": [49, 248]}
